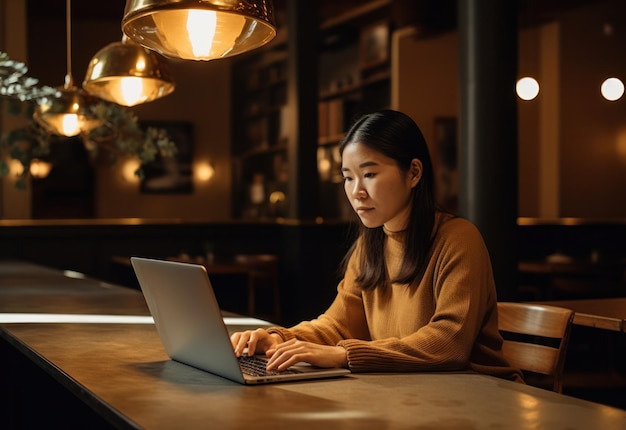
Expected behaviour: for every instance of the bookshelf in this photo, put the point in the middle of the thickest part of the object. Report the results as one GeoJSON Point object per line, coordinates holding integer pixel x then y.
{"type": "Point", "coordinates": [259, 155]}
{"type": "Point", "coordinates": [353, 77]}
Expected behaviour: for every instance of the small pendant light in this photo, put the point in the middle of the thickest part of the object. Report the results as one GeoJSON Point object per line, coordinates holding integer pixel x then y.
{"type": "Point", "coordinates": [67, 113]}
{"type": "Point", "coordinates": [128, 74]}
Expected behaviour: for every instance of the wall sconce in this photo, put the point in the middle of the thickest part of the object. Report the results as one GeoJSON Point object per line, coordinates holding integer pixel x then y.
{"type": "Point", "coordinates": [527, 88]}
{"type": "Point", "coordinates": [129, 168]}
{"type": "Point", "coordinates": [15, 168]}
{"type": "Point", "coordinates": [199, 29]}
{"type": "Point", "coordinates": [128, 74]}
{"type": "Point", "coordinates": [204, 171]}
{"type": "Point", "coordinates": [40, 169]}
{"type": "Point", "coordinates": [612, 89]}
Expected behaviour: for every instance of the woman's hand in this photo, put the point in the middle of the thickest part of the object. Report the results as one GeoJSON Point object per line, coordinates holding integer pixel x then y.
{"type": "Point", "coordinates": [285, 355]}
{"type": "Point", "coordinates": [255, 341]}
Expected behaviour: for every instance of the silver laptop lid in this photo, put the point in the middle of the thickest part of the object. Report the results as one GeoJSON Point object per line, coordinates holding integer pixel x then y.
{"type": "Point", "coordinates": [187, 315]}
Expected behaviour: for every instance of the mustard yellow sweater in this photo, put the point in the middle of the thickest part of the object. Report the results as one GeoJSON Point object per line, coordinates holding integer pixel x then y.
{"type": "Point", "coordinates": [447, 322]}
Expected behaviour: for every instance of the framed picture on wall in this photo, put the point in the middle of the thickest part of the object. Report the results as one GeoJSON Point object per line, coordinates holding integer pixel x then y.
{"type": "Point", "coordinates": [374, 45]}
{"type": "Point", "coordinates": [445, 163]}
{"type": "Point", "coordinates": [170, 175]}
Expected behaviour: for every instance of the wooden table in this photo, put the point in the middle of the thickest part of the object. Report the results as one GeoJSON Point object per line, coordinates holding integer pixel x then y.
{"type": "Point", "coordinates": [605, 313]}
{"type": "Point", "coordinates": [121, 375]}
{"type": "Point", "coordinates": [572, 279]}
{"type": "Point", "coordinates": [217, 268]}
{"type": "Point", "coordinates": [574, 267]}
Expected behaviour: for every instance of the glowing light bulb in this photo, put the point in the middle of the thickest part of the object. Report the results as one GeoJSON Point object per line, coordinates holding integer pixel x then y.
{"type": "Point", "coordinates": [201, 26]}
{"type": "Point", "coordinates": [141, 65]}
{"type": "Point", "coordinates": [200, 34]}
{"type": "Point", "coordinates": [40, 168]}
{"type": "Point", "coordinates": [132, 90]}
{"type": "Point", "coordinates": [324, 166]}
{"type": "Point", "coordinates": [527, 88]}
{"type": "Point", "coordinates": [70, 125]}
{"type": "Point", "coordinates": [129, 167]}
{"type": "Point", "coordinates": [204, 171]}
{"type": "Point", "coordinates": [612, 89]}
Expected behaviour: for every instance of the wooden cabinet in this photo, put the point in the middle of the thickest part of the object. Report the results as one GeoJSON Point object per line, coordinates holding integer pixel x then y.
{"type": "Point", "coordinates": [353, 79]}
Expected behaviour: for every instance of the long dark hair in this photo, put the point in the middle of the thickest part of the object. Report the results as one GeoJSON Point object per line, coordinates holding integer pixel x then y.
{"type": "Point", "coordinates": [398, 137]}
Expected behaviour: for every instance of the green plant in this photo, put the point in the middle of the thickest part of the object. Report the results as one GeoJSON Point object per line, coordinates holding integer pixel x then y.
{"type": "Point", "coordinates": [119, 134]}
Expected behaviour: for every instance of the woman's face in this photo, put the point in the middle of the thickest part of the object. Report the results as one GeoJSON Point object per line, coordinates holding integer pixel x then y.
{"type": "Point", "coordinates": [378, 190]}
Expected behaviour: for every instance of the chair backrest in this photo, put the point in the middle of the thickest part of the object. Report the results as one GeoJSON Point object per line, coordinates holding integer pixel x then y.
{"type": "Point", "coordinates": [536, 338]}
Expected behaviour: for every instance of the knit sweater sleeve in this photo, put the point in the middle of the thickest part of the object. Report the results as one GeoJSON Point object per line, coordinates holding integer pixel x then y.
{"type": "Point", "coordinates": [460, 278]}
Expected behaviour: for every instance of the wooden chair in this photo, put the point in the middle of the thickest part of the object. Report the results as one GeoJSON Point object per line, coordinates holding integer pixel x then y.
{"type": "Point", "coordinates": [536, 338]}
{"type": "Point", "coordinates": [263, 272]}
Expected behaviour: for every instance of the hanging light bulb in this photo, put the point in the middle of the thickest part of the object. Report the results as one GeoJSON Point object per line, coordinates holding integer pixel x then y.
{"type": "Point", "coordinates": [68, 112]}
{"type": "Point", "coordinates": [128, 74]}
{"type": "Point", "coordinates": [199, 29]}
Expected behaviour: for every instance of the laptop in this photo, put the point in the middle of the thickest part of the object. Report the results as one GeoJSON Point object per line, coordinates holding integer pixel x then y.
{"type": "Point", "coordinates": [190, 324]}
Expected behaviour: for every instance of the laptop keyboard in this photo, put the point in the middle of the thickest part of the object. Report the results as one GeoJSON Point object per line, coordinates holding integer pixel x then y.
{"type": "Point", "coordinates": [256, 366]}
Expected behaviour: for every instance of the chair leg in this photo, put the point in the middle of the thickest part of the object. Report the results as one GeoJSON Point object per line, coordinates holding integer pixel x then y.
{"type": "Point", "coordinates": [251, 294]}
{"type": "Point", "coordinates": [276, 301]}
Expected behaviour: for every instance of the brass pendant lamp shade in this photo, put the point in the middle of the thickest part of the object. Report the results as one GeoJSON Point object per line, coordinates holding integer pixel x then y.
{"type": "Point", "coordinates": [67, 113]}
{"type": "Point", "coordinates": [199, 29]}
{"type": "Point", "coordinates": [128, 74]}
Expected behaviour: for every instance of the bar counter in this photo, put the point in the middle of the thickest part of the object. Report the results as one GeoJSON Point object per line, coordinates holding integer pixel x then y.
{"type": "Point", "coordinates": [123, 376]}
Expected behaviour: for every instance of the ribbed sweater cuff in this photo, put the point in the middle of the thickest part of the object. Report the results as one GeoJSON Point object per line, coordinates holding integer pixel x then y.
{"type": "Point", "coordinates": [357, 354]}
{"type": "Point", "coordinates": [282, 332]}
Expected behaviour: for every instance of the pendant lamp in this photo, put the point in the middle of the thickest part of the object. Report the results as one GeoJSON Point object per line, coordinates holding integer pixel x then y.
{"type": "Point", "coordinates": [128, 74]}
{"type": "Point", "coordinates": [68, 112]}
{"type": "Point", "coordinates": [199, 29]}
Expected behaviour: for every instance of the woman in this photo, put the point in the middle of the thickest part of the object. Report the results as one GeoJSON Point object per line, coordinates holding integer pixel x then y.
{"type": "Point", "coordinates": [418, 292]}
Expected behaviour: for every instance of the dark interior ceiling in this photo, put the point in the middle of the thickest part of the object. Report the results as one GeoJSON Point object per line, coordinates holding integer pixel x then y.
{"type": "Point", "coordinates": [441, 13]}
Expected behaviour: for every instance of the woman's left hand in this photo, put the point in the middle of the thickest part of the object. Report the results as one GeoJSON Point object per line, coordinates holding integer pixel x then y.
{"type": "Point", "coordinates": [294, 351]}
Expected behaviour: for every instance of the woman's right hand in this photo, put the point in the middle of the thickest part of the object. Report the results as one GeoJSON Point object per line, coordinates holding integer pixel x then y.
{"type": "Point", "coordinates": [255, 341]}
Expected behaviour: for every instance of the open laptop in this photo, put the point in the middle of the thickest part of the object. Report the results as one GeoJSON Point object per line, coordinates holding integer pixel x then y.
{"type": "Point", "coordinates": [191, 327]}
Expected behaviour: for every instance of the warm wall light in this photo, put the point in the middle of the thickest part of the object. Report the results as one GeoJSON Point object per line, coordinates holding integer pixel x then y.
{"type": "Point", "coordinates": [199, 29]}
{"type": "Point", "coordinates": [128, 74]}
{"type": "Point", "coordinates": [204, 171]}
{"type": "Point", "coordinates": [67, 113]}
{"type": "Point", "coordinates": [15, 168]}
{"type": "Point", "coordinates": [39, 168]}
{"type": "Point", "coordinates": [612, 89]}
{"type": "Point", "coordinates": [527, 88]}
{"type": "Point", "coordinates": [129, 169]}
